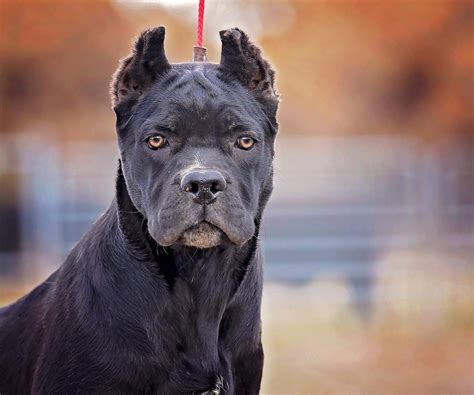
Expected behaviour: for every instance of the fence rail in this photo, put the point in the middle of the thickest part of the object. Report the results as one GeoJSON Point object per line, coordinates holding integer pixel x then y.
{"type": "Point", "coordinates": [339, 203]}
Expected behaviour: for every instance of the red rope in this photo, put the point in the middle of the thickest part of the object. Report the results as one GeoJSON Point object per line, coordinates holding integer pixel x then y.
{"type": "Point", "coordinates": [200, 23]}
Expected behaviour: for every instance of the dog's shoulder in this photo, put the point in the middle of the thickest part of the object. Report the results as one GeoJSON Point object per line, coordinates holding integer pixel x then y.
{"type": "Point", "coordinates": [34, 300]}
{"type": "Point", "coordinates": [21, 326]}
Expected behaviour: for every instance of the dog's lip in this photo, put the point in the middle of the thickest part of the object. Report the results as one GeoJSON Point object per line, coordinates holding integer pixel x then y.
{"type": "Point", "coordinates": [237, 231]}
{"type": "Point", "coordinates": [208, 222]}
{"type": "Point", "coordinates": [227, 235]}
{"type": "Point", "coordinates": [202, 222]}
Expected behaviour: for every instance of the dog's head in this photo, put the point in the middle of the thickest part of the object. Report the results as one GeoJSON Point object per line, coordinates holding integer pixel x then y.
{"type": "Point", "coordinates": [196, 140]}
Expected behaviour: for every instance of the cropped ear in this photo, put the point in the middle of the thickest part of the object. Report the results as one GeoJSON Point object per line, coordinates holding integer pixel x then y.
{"type": "Point", "coordinates": [137, 72]}
{"type": "Point", "coordinates": [243, 60]}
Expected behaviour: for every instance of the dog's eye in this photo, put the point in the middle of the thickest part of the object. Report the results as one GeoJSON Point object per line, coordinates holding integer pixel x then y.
{"type": "Point", "coordinates": [155, 142]}
{"type": "Point", "coordinates": [245, 142]}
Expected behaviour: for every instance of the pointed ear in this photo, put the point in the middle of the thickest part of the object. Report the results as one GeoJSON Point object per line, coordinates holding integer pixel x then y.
{"type": "Point", "coordinates": [137, 73]}
{"type": "Point", "coordinates": [243, 60]}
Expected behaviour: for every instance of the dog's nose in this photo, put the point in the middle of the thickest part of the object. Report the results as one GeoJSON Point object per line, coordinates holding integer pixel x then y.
{"type": "Point", "coordinates": [204, 185]}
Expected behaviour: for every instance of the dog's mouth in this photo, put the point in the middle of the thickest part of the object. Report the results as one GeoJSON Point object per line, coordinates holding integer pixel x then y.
{"type": "Point", "coordinates": [192, 227]}
{"type": "Point", "coordinates": [202, 235]}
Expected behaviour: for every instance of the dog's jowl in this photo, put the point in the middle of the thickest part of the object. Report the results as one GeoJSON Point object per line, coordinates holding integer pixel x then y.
{"type": "Point", "coordinates": [162, 295]}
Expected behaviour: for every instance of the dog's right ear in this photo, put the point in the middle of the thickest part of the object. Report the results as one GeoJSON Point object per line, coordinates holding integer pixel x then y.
{"type": "Point", "coordinates": [137, 72]}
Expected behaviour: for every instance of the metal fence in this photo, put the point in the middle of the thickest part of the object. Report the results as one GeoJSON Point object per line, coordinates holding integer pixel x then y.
{"type": "Point", "coordinates": [339, 203]}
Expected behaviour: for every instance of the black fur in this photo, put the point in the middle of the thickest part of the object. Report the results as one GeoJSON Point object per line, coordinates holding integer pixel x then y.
{"type": "Point", "coordinates": [132, 309]}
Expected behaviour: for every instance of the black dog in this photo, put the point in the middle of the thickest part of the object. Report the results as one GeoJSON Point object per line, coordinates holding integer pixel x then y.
{"type": "Point", "coordinates": [163, 294]}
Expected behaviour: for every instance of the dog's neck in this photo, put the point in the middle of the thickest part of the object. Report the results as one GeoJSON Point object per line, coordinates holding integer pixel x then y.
{"type": "Point", "coordinates": [176, 261]}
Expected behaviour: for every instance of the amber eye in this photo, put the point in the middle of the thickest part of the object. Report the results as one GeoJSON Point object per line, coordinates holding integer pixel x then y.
{"type": "Point", "coordinates": [245, 142]}
{"type": "Point", "coordinates": [155, 142]}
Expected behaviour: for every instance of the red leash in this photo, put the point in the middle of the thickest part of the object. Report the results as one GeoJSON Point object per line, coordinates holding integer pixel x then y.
{"type": "Point", "coordinates": [199, 50]}
{"type": "Point", "coordinates": [200, 23]}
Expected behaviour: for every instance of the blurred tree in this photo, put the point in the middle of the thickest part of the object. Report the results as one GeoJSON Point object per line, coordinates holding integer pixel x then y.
{"type": "Point", "coordinates": [344, 67]}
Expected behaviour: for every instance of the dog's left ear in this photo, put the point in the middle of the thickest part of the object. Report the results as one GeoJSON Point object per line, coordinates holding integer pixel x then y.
{"type": "Point", "coordinates": [243, 60]}
{"type": "Point", "coordinates": [137, 73]}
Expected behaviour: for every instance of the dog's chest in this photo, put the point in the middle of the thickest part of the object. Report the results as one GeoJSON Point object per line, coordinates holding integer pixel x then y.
{"type": "Point", "coordinates": [198, 308]}
{"type": "Point", "coordinates": [192, 336]}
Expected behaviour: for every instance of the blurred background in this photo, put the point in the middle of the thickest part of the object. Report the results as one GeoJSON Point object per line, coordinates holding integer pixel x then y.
{"type": "Point", "coordinates": [369, 236]}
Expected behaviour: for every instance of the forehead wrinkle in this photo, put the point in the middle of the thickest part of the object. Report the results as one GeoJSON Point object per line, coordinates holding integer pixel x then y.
{"type": "Point", "coordinates": [199, 93]}
{"type": "Point", "coordinates": [189, 81]}
{"type": "Point", "coordinates": [236, 117]}
{"type": "Point", "coordinates": [167, 121]}
{"type": "Point", "coordinates": [203, 81]}
{"type": "Point", "coordinates": [180, 81]}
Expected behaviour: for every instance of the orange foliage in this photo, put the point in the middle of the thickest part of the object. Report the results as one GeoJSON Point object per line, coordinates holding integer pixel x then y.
{"type": "Point", "coordinates": [344, 67]}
